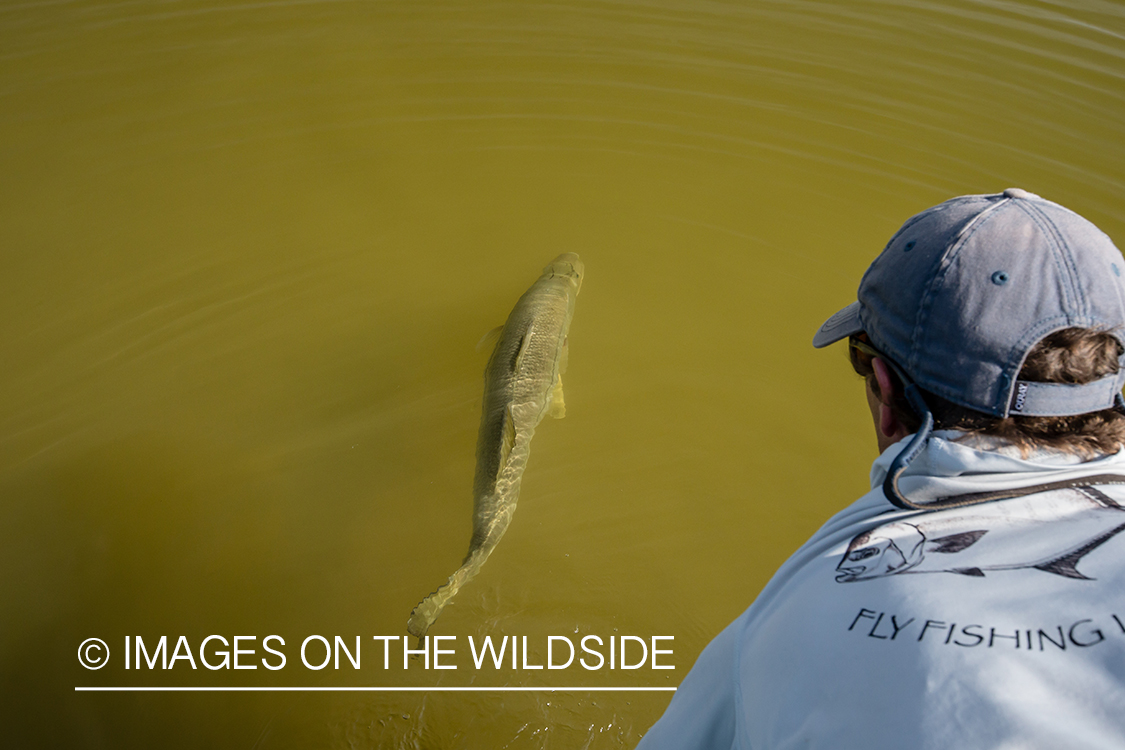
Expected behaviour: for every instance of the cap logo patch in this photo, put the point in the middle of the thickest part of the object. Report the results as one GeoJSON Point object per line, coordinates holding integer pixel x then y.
{"type": "Point", "coordinates": [1021, 396]}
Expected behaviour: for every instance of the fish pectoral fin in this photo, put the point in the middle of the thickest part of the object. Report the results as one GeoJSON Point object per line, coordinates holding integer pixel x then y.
{"type": "Point", "coordinates": [488, 340]}
{"type": "Point", "coordinates": [507, 437]}
{"type": "Point", "coordinates": [956, 542]}
{"type": "Point", "coordinates": [524, 345]}
{"type": "Point", "coordinates": [558, 405]}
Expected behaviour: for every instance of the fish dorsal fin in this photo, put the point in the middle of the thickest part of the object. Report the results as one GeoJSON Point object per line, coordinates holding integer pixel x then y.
{"type": "Point", "coordinates": [558, 406]}
{"type": "Point", "coordinates": [488, 340]}
{"type": "Point", "coordinates": [957, 542]}
{"type": "Point", "coordinates": [1068, 564]}
{"type": "Point", "coordinates": [975, 572]}
{"type": "Point", "coordinates": [1100, 497]}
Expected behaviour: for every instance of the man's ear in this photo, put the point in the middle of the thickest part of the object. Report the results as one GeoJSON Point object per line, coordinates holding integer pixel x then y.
{"type": "Point", "coordinates": [888, 389]}
{"type": "Point", "coordinates": [887, 384]}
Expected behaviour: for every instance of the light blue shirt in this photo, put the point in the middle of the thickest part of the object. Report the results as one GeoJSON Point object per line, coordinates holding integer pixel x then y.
{"type": "Point", "coordinates": [999, 625]}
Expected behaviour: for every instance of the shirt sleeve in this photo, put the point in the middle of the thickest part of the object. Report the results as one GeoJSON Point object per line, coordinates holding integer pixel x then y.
{"type": "Point", "coordinates": [701, 714]}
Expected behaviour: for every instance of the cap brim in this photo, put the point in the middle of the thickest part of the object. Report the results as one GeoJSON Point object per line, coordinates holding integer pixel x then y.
{"type": "Point", "coordinates": [839, 326]}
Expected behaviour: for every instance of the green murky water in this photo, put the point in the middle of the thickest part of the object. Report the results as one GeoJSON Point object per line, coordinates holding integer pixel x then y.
{"type": "Point", "coordinates": [248, 250]}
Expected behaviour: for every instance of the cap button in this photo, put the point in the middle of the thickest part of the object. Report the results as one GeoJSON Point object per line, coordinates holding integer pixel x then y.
{"type": "Point", "coordinates": [1018, 193]}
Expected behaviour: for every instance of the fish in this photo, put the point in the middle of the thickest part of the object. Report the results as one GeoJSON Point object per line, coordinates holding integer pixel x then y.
{"type": "Point", "coordinates": [1050, 532]}
{"type": "Point", "coordinates": [522, 385]}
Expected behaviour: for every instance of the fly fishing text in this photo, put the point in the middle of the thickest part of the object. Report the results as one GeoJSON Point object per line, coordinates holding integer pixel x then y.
{"type": "Point", "coordinates": [1078, 633]}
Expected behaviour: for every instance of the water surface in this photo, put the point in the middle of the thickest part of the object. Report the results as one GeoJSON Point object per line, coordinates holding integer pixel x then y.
{"type": "Point", "coordinates": [248, 250]}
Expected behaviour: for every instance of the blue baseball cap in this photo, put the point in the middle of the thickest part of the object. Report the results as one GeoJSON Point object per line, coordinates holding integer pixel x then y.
{"type": "Point", "coordinates": [964, 290]}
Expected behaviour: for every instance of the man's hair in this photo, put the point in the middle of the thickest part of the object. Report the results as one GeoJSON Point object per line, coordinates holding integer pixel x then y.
{"type": "Point", "coordinates": [1072, 355]}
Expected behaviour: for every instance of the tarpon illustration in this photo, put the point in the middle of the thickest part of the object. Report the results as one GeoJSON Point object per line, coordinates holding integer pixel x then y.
{"type": "Point", "coordinates": [1051, 532]}
{"type": "Point", "coordinates": [522, 384]}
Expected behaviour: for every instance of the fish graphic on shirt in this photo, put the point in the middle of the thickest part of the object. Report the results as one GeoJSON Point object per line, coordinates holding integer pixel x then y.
{"type": "Point", "coordinates": [1050, 531]}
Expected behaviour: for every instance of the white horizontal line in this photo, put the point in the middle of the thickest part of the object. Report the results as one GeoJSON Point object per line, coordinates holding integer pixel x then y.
{"type": "Point", "coordinates": [154, 689]}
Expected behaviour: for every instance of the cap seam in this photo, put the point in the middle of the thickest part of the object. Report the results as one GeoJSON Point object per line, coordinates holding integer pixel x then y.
{"type": "Point", "coordinates": [875, 337]}
{"type": "Point", "coordinates": [909, 223]}
{"type": "Point", "coordinates": [944, 263]}
{"type": "Point", "coordinates": [1077, 302]}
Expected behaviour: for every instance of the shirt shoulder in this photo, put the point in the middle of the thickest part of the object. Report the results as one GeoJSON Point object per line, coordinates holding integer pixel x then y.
{"type": "Point", "coordinates": [702, 713]}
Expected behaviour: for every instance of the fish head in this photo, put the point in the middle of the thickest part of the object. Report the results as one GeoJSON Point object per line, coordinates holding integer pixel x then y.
{"type": "Point", "coordinates": [568, 266]}
{"type": "Point", "coordinates": [883, 551]}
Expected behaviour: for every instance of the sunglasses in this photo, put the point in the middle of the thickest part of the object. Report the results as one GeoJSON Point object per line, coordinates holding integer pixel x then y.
{"type": "Point", "coordinates": [861, 353]}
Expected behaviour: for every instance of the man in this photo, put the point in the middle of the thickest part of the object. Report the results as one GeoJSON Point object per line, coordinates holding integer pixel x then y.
{"type": "Point", "coordinates": [975, 598]}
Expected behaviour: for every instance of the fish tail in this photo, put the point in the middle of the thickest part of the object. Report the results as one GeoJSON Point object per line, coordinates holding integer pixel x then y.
{"type": "Point", "coordinates": [429, 608]}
